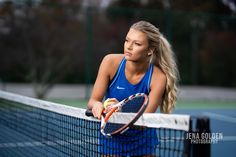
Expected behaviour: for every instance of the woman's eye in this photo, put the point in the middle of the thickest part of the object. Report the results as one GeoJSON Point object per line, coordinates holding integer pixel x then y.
{"type": "Point", "coordinates": [138, 44]}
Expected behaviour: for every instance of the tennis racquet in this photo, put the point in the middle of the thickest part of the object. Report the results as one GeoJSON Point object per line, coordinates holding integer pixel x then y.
{"type": "Point", "coordinates": [136, 103]}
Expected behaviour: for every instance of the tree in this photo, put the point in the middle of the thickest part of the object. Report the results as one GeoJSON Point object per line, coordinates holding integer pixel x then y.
{"type": "Point", "coordinates": [40, 44]}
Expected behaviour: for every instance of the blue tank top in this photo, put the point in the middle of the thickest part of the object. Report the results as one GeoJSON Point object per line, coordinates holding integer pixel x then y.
{"type": "Point", "coordinates": [120, 88]}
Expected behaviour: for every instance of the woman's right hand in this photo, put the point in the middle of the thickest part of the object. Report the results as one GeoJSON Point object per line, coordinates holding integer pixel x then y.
{"type": "Point", "coordinates": [97, 110]}
{"type": "Point", "coordinates": [99, 107]}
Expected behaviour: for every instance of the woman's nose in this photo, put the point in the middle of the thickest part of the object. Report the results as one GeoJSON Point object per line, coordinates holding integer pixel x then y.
{"type": "Point", "coordinates": [130, 46]}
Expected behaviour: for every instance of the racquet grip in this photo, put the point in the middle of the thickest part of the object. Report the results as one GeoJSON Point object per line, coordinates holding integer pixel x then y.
{"type": "Point", "coordinates": [88, 113]}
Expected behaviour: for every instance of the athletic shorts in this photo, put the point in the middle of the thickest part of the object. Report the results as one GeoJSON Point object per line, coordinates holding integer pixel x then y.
{"type": "Point", "coordinates": [133, 142]}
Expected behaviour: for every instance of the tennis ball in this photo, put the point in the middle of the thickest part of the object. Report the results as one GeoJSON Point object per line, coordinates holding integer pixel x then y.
{"type": "Point", "coordinates": [108, 102]}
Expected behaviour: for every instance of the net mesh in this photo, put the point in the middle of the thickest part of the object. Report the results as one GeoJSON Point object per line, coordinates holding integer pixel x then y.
{"type": "Point", "coordinates": [31, 127]}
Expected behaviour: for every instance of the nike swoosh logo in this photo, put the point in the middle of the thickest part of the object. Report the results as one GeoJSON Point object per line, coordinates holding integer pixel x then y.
{"type": "Point", "coordinates": [118, 87]}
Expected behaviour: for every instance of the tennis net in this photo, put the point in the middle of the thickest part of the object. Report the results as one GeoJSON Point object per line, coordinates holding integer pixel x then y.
{"type": "Point", "coordinates": [32, 127]}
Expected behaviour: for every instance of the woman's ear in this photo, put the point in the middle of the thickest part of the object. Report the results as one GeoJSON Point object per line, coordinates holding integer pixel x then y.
{"type": "Point", "coordinates": [150, 51]}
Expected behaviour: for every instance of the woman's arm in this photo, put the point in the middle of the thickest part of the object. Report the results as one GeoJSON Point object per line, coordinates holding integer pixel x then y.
{"type": "Point", "coordinates": [99, 88]}
{"type": "Point", "coordinates": [107, 70]}
{"type": "Point", "coordinates": [158, 84]}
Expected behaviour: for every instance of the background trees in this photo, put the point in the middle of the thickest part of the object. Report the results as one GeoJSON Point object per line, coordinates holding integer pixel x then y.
{"type": "Point", "coordinates": [47, 42]}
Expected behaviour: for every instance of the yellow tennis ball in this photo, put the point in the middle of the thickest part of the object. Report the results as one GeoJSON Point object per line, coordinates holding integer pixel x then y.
{"type": "Point", "coordinates": [108, 102]}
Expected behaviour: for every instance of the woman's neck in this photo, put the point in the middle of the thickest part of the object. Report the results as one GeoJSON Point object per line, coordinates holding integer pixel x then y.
{"type": "Point", "coordinates": [136, 68]}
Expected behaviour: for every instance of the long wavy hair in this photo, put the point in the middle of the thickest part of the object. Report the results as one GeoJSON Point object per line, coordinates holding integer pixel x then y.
{"type": "Point", "coordinates": [164, 58]}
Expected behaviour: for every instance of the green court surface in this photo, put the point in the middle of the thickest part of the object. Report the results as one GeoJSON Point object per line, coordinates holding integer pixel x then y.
{"type": "Point", "coordinates": [71, 102]}
{"type": "Point", "coordinates": [206, 104]}
{"type": "Point", "coordinates": [180, 104]}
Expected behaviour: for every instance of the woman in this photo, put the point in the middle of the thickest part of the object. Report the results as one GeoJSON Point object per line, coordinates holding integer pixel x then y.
{"type": "Point", "coordinates": [147, 66]}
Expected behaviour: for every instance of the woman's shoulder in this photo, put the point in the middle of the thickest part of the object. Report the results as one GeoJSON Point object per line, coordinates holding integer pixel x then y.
{"type": "Point", "coordinates": [113, 60]}
{"type": "Point", "coordinates": [114, 57]}
{"type": "Point", "coordinates": [158, 74]}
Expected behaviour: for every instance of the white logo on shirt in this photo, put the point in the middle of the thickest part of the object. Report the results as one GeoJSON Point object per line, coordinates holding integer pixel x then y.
{"type": "Point", "coordinates": [118, 87]}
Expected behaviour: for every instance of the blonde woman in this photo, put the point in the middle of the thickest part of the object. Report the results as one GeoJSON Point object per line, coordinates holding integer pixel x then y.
{"type": "Point", "coordinates": [146, 66]}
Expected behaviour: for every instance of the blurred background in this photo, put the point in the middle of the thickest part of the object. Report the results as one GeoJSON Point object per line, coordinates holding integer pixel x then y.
{"type": "Point", "coordinates": [48, 42]}
{"type": "Point", "coordinates": [51, 49]}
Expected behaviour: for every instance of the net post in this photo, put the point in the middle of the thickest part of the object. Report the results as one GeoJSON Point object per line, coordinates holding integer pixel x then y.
{"type": "Point", "coordinates": [187, 141]}
{"type": "Point", "coordinates": [202, 144]}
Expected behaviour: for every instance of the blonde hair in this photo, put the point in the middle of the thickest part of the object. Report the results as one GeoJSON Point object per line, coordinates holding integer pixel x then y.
{"type": "Point", "coordinates": [164, 58]}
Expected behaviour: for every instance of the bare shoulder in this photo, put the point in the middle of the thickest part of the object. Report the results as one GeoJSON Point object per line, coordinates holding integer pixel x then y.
{"type": "Point", "coordinates": [112, 62]}
{"type": "Point", "coordinates": [113, 59]}
{"type": "Point", "coordinates": [158, 76]}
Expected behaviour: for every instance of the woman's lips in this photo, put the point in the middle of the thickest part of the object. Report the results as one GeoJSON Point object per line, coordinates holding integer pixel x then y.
{"type": "Point", "coordinates": [128, 54]}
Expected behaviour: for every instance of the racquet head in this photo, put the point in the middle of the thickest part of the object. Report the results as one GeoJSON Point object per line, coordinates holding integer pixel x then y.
{"type": "Point", "coordinates": [135, 104]}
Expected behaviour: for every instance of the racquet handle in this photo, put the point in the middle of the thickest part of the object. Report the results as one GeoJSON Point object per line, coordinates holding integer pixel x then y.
{"type": "Point", "coordinates": [88, 113]}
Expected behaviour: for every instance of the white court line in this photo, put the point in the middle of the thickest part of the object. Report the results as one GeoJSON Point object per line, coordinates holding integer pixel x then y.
{"type": "Point", "coordinates": [220, 117]}
{"type": "Point", "coordinates": [229, 138]}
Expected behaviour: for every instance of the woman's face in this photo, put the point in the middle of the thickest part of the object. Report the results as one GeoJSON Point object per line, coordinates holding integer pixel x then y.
{"type": "Point", "coordinates": [136, 45]}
